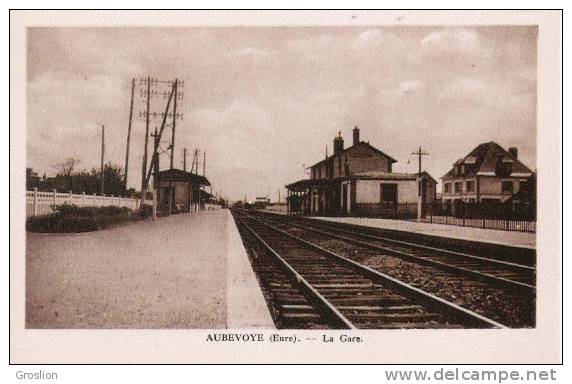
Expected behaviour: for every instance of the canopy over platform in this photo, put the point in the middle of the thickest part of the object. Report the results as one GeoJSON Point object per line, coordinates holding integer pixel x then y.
{"type": "Point", "coordinates": [313, 195]}
{"type": "Point", "coordinates": [304, 184]}
{"type": "Point", "coordinates": [180, 175]}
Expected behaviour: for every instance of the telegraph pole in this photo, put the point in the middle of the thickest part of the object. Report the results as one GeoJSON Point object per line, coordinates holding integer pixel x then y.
{"type": "Point", "coordinates": [155, 150]}
{"type": "Point", "coordinates": [420, 184]}
{"type": "Point", "coordinates": [172, 146]}
{"type": "Point", "coordinates": [185, 159]}
{"type": "Point", "coordinates": [204, 162]}
{"type": "Point", "coordinates": [169, 92]}
{"type": "Point", "coordinates": [195, 165]}
{"type": "Point", "coordinates": [155, 160]}
{"type": "Point", "coordinates": [102, 155]}
{"type": "Point", "coordinates": [143, 182]}
{"type": "Point", "coordinates": [129, 136]}
{"type": "Point", "coordinates": [420, 153]}
{"type": "Point", "coordinates": [173, 127]}
{"type": "Point", "coordinates": [155, 165]}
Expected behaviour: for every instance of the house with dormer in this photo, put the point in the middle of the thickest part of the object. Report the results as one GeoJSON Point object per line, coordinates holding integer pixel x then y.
{"type": "Point", "coordinates": [489, 173]}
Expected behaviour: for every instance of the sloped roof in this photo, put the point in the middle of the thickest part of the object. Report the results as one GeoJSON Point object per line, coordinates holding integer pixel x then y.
{"type": "Point", "coordinates": [377, 175]}
{"type": "Point", "coordinates": [483, 160]}
{"type": "Point", "coordinates": [205, 194]}
{"type": "Point", "coordinates": [384, 175]}
{"type": "Point", "coordinates": [310, 183]}
{"type": "Point", "coordinates": [180, 175]}
{"type": "Point", "coordinates": [361, 143]}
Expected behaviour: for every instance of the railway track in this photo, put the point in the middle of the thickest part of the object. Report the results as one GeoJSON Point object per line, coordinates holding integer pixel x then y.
{"type": "Point", "coordinates": [521, 278]}
{"type": "Point", "coordinates": [311, 287]}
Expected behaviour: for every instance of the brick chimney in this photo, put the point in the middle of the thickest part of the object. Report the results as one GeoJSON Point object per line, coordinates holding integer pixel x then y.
{"type": "Point", "coordinates": [513, 152]}
{"type": "Point", "coordinates": [356, 135]}
{"type": "Point", "coordinates": [338, 144]}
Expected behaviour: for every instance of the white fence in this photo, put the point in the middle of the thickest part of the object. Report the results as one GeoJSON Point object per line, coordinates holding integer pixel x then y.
{"type": "Point", "coordinates": [40, 203]}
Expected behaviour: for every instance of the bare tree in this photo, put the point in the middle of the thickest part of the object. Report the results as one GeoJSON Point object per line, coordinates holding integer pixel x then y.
{"type": "Point", "coordinates": [66, 169]}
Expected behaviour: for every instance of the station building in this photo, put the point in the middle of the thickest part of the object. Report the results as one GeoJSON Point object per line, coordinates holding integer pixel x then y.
{"type": "Point", "coordinates": [184, 190]}
{"type": "Point", "coordinates": [355, 180]}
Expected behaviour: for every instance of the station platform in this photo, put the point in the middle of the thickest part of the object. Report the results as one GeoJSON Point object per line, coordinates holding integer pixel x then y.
{"type": "Point", "coordinates": [492, 236]}
{"type": "Point", "coordinates": [186, 271]}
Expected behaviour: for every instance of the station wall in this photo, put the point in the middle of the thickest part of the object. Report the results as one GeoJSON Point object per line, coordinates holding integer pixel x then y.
{"type": "Point", "coordinates": [368, 191]}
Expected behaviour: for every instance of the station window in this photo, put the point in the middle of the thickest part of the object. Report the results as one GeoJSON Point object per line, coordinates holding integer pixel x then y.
{"type": "Point", "coordinates": [458, 187]}
{"type": "Point", "coordinates": [507, 187]}
{"type": "Point", "coordinates": [470, 186]}
{"type": "Point", "coordinates": [388, 193]}
{"type": "Point", "coordinates": [447, 187]}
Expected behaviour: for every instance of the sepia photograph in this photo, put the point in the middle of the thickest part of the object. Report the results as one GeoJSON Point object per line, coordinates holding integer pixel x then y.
{"type": "Point", "coordinates": [279, 178]}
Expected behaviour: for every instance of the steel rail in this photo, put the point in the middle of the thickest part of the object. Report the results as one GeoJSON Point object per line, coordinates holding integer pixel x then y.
{"type": "Point", "coordinates": [324, 307]}
{"type": "Point", "coordinates": [506, 264]}
{"type": "Point", "coordinates": [428, 300]}
{"type": "Point", "coordinates": [485, 277]}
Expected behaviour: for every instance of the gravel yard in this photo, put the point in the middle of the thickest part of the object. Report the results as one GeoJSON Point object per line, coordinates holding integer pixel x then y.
{"type": "Point", "coordinates": [163, 274]}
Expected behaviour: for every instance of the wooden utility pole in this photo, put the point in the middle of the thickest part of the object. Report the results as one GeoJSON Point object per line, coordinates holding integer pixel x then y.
{"type": "Point", "coordinates": [172, 146]}
{"type": "Point", "coordinates": [143, 185]}
{"type": "Point", "coordinates": [128, 137]}
{"type": "Point", "coordinates": [196, 161]}
{"type": "Point", "coordinates": [155, 150]}
{"type": "Point", "coordinates": [102, 156]}
{"type": "Point", "coordinates": [185, 159]}
{"type": "Point", "coordinates": [420, 153]}
{"type": "Point", "coordinates": [155, 161]}
{"type": "Point", "coordinates": [156, 168]}
{"type": "Point", "coordinates": [173, 127]}
{"type": "Point", "coordinates": [204, 162]}
{"type": "Point", "coordinates": [420, 184]}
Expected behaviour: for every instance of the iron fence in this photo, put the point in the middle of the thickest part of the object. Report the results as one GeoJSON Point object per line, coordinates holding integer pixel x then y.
{"type": "Point", "coordinates": [490, 215]}
{"type": "Point", "coordinates": [395, 211]}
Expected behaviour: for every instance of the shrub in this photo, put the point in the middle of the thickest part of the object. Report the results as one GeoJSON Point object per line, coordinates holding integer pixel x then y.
{"type": "Point", "coordinates": [71, 218]}
{"type": "Point", "coordinates": [147, 211]}
{"type": "Point", "coordinates": [74, 210]}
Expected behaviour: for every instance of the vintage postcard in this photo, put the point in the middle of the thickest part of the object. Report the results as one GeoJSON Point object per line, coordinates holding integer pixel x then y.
{"type": "Point", "coordinates": [285, 187]}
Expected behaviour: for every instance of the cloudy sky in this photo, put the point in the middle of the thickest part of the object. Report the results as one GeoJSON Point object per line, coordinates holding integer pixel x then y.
{"type": "Point", "coordinates": [264, 102]}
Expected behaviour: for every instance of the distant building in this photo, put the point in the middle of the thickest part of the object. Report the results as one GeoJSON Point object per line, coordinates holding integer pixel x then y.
{"type": "Point", "coordinates": [183, 189]}
{"type": "Point", "coordinates": [488, 173]}
{"type": "Point", "coordinates": [355, 177]}
{"type": "Point", "coordinates": [261, 202]}
{"type": "Point", "coordinates": [58, 182]}
{"type": "Point", "coordinates": [32, 179]}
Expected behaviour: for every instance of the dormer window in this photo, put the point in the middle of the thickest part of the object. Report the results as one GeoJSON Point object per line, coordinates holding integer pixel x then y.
{"type": "Point", "coordinates": [504, 166]}
{"type": "Point", "coordinates": [458, 167]}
